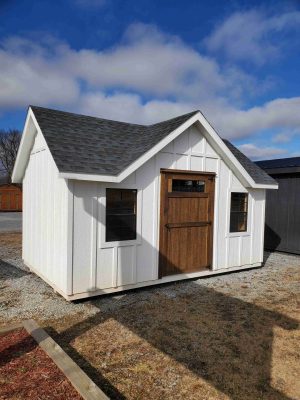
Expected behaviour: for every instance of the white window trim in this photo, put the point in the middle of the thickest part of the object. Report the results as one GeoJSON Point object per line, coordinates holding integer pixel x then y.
{"type": "Point", "coordinates": [249, 216]}
{"type": "Point", "coordinates": [120, 243]}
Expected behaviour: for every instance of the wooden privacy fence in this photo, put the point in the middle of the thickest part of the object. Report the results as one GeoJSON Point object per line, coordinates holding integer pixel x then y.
{"type": "Point", "coordinates": [10, 198]}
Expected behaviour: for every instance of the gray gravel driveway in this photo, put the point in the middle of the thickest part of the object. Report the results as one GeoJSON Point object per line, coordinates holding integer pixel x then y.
{"type": "Point", "coordinates": [24, 295]}
{"type": "Point", "coordinates": [10, 221]}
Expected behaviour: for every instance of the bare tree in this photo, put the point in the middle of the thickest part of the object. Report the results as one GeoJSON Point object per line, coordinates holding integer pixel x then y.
{"type": "Point", "coordinates": [9, 144]}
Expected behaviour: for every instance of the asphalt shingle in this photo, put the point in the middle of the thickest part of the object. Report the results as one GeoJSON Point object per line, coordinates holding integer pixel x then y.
{"type": "Point", "coordinates": [257, 174]}
{"type": "Point", "coordinates": [90, 145]}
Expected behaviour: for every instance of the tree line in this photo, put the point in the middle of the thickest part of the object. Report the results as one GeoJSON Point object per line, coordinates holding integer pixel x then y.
{"type": "Point", "coordinates": [9, 144]}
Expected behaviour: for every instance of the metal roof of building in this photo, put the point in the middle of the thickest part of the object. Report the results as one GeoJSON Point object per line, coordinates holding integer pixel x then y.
{"type": "Point", "coordinates": [279, 163]}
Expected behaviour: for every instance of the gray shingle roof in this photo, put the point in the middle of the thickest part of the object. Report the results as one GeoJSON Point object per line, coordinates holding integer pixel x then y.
{"type": "Point", "coordinates": [257, 174]}
{"type": "Point", "coordinates": [89, 145]}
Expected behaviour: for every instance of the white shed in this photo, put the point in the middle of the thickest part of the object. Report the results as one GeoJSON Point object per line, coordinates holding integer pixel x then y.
{"type": "Point", "coordinates": [110, 206]}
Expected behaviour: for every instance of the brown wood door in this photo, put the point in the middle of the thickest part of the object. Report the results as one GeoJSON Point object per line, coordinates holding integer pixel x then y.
{"type": "Point", "coordinates": [186, 221]}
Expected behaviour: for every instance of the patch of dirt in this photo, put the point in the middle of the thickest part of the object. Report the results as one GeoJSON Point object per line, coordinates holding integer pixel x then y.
{"type": "Point", "coordinates": [26, 371]}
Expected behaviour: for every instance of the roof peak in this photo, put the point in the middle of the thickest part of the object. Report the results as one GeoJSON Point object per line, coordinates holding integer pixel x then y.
{"type": "Point", "coordinates": [111, 120]}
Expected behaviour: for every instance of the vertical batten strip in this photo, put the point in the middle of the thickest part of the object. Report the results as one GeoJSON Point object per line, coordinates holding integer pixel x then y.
{"type": "Point", "coordinates": [115, 265]}
{"type": "Point", "coordinates": [156, 222]}
{"type": "Point", "coordinates": [216, 218]}
{"type": "Point", "coordinates": [263, 225]}
{"type": "Point", "coordinates": [70, 235]}
{"type": "Point", "coordinates": [94, 237]}
{"type": "Point", "coordinates": [252, 226]}
{"type": "Point", "coordinates": [227, 239]}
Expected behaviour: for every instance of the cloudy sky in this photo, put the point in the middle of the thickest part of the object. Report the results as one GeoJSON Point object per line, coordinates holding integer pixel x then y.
{"type": "Point", "coordinates": [145, 61]}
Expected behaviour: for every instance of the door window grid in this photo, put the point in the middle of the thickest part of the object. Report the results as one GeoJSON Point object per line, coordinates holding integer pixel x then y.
{"type": "Point", "coordinates": [188, 185]}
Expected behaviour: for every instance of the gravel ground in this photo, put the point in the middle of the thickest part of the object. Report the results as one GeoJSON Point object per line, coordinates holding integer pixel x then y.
{"type": "Point", "coordinates": [24, 295]}
{"type": "Point", "coordinates": [232, 336]}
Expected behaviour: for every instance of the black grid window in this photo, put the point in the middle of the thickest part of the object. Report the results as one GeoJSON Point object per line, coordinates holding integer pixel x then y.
{"type": "Point", "coordinates": [238, 212]}
{"type": "Point", "coordinates": [181, 185]}
{"type": "Point", "coordinates": [120, 214]}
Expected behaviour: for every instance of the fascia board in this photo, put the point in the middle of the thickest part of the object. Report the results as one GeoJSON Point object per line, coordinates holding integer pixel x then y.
{"type": "Point", "coordinates": [29, 131]}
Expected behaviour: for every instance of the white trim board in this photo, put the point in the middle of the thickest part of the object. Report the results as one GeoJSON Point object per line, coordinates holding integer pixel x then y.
{"type": "Point", "coordinates": [167, 279]}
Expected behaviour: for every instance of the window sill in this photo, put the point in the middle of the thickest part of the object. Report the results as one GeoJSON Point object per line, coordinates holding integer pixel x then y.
{"type": "Point", "coordinates": [238, 234]}
{"type": "Point", "coordinates": [120, 243]}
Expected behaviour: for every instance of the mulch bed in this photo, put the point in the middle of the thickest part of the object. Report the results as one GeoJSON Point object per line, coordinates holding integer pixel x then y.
{"type": "Point", "coordinates": [27, 372]}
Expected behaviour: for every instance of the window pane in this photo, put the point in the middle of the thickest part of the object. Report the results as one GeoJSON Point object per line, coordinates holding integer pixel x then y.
{"type": "Point", "coordinates": [239, 212]}
{"type": "Point", "coordinates": [238, 222]}
{"type": "Point", "coordinates": [120, 214]}
{"type": "Point", "coordinates": [180, 185]}
{"type": "Point", "coordinates": [239, 202]}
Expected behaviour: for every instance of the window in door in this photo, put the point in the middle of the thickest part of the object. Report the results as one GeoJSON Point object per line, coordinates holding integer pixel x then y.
{"type": "Point", "coordinates": [187, 185]}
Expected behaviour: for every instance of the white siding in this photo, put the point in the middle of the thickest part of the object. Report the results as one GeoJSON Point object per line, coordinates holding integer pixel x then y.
{"type": "Point", "coordinates": [107, 265]}
{"type": "Point", "coordinates": [45, 202]}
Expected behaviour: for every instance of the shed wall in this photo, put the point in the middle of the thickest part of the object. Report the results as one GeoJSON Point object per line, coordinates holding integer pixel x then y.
{"type": "Point", "coordinates": [45, 207]}
{"type": "Point", "coordinates": [100, 265]}
{"type": "Point", "coordinates": [283, 214]}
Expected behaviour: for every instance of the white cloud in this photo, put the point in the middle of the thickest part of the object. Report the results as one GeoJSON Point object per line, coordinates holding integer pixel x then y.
{"type": "Point", "coordinates": [252, 35]}
{"type": "Point", "coordinates": [150, 62]}
{"type": "Point", "coordinates": [147, 64]}
{"type": "Point", "coordinates": [286, 136]}
{"type": "Point", "coordinates": [228, 121]}
{"type": "Point", "coordinates": [130, 107]}
{"type": "Point", "coordinates": [282, 138]}
{"type": "Point", "coordinates": [260, 153]}
{"type": "Point", "coordinates": [278, 113]}
{"type": "Point", "coordinates": [30, 74]}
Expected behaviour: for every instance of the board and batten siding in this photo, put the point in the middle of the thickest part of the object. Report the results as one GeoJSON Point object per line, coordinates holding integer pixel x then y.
{"type": "Point", "coordinates": [100, 265]}
{"type": "Point", "coordinates": [45, 217]}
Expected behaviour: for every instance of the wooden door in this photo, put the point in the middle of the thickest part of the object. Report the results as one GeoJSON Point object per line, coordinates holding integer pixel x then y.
{"type": "Point", "coordinates": [186, 221]}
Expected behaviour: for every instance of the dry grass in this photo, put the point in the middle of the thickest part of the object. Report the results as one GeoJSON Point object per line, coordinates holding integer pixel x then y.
{"type": "Point", "coordinates": [231, 337]}
{"type": "Point", "coordinates": [202, 343]}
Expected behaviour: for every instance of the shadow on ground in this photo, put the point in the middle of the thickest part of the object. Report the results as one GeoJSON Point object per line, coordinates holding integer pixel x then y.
{"type": "Point", "coordinates": [9, 271]}
{"type": "Point", "coordinates": [224, 340]}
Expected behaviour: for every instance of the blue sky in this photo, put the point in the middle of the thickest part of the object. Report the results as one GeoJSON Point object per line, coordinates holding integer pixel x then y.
{"type": "Point", "coordinates": [145, 61]}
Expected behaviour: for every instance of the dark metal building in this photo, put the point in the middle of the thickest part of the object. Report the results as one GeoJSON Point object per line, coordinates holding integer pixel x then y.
{"type": "Point", "coordinates": [282, 230]}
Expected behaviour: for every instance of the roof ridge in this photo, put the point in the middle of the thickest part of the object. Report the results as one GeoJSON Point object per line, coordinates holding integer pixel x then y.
{"type": "Point", "coordinates": [85, 115]}
{"type": "Point", "coordinates": [171, 119]}
{"type": "Point", "coordinates": [112, 120]}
